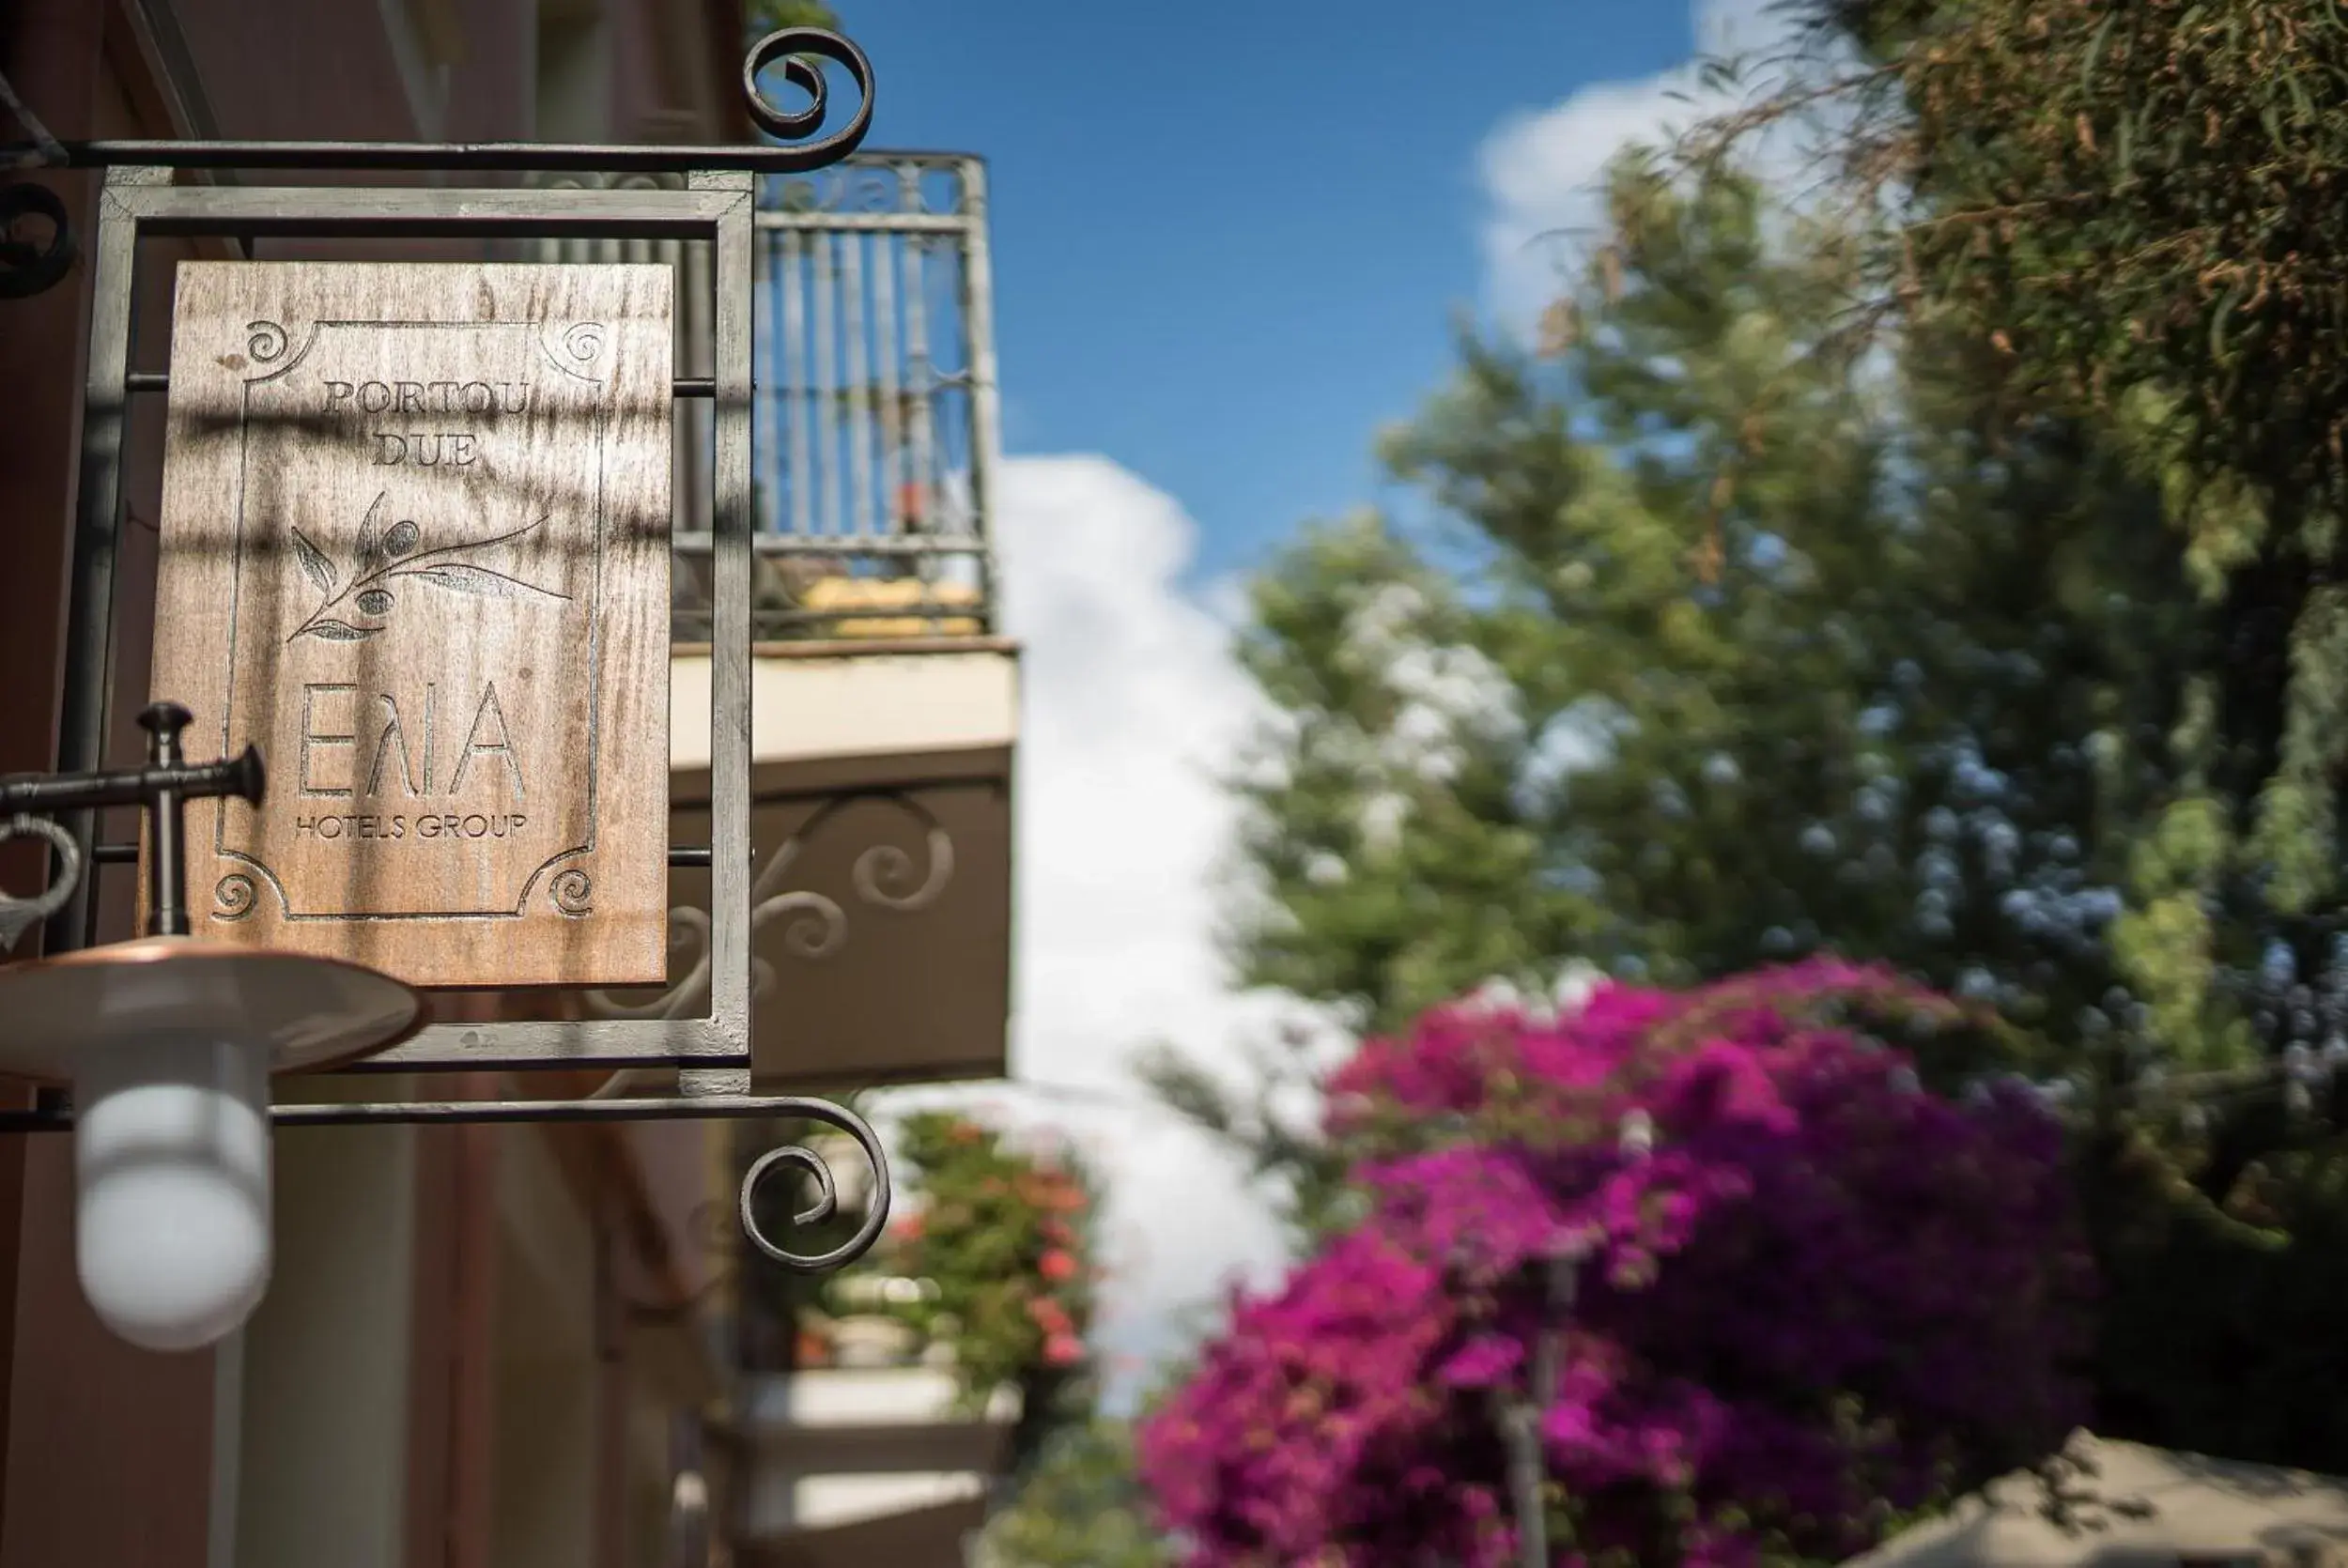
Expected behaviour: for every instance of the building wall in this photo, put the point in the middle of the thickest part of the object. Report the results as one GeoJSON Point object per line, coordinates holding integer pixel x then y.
{"type": "Point", "coordinates": [549, 1383]}
{"type": "Point", "coordinates": [329, 69]}
{"type": "Point", "coordinates": [449, 1484]}
{"type": "Point", "coordinates": [110, 1447]}
{"type": "Point", "coordinates": [328, 1383]}
{"type": "Point", "coordinates": [108, 1452]}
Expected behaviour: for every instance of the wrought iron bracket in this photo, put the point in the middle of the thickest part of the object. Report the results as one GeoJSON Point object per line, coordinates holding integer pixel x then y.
{"type": "Point", "coordinates": [690, 1108]}
{"type": "Point", "coordinates": [712, 201]}
{"type": "Point", "coordinates": [162, 789]}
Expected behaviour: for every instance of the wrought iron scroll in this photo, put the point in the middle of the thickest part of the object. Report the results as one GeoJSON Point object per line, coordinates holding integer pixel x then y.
{"type": "Point", "coordinates": [19, 915]}
{"type": "Point", "coordinates": [803, 1158]}
{"type": "Point", "coordinates": [885, 877]}
{"type": "Point", "coordinates": [799, 148]}
{"type": "Point", "coordinates": [712, 1226]}
{"type": "Point", "coordinates": [792, 46]}
{"type": "Point", "coordinates": [27, 269]}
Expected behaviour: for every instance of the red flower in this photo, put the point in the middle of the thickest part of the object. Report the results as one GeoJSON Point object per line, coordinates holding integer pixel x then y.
{"type": "Point", "coordinates": [1063, 1350]}
{"type": "Point", "coordinates": [1057, 1267]}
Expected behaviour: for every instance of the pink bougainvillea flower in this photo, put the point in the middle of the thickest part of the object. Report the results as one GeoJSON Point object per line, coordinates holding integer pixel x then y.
{"type": "Point", "coordinates": [1482, 1362]}
{"type": "Point", "coordinates": [1805, 1290]}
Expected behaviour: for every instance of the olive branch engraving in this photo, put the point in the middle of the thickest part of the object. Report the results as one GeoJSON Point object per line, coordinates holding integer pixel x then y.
{"type": "Point", "coordinates": [388, 555]}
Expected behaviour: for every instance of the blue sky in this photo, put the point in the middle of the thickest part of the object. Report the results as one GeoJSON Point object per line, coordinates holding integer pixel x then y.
{"type": "Point", "coordinates": [1231, 239]}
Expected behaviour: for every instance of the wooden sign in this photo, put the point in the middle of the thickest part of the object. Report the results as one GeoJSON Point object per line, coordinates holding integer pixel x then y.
{"type": "Point", "coordinates": [415, 547]}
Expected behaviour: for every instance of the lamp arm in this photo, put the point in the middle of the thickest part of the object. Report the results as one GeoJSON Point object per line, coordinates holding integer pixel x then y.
{"type": "Point", "coordinates": [163, 786]}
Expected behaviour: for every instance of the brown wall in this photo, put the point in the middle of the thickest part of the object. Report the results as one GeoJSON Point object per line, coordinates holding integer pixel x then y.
{"type": "Point", "coordinates": [56, 45]}
{"type": "Point", "coordinates": [328, 69]}
{"type": "Point", "coordinates": [450, 1482]}
{"type": "Point", "coordinates": [110, 1457]}
{"type": "Point", "coordinates": [108, 1449]}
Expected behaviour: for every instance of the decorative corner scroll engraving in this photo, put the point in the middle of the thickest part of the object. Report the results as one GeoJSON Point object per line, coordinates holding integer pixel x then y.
{"type": "Point", "coordinates": [572, 891]}
{"type": "Point", "coordinates": [233, 897]}
{"type": "Point", "coordinates": [388, 555]}
{"type": "Point", "coordinates": [266, 342]}
{"type": "Point", "coordinates": [576, 351]}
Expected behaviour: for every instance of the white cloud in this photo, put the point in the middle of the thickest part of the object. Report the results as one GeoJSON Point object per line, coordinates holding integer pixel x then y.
{"type": "Point", "coordinates": [1541, 170]}
{"type": "Point", "coordinates": [1133, 706]}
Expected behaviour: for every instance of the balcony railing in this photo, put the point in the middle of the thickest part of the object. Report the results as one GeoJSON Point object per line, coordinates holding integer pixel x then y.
{"type": "Point", "coordinates": [875, 427]}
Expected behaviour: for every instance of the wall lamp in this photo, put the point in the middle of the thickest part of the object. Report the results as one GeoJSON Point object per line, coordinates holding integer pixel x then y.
{"type": "Point", "coordinates": [168, 1045]}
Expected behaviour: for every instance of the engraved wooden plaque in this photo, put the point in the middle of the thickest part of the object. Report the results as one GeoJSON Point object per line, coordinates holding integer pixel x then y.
{"type": "Point", "coordinates": [415, 547]}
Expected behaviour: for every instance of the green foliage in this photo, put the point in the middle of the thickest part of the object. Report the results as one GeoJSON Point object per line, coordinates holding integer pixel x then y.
{"type": "Point", "coordinates": [2220, 1338]}
{"type": "Point", "coordinates": [2132, 206]}
{"type": "Point", "coordinates": [1002, 1245]}
{"type": "Point", "coordinates": [2144, 193]}
{"type": "Point", "coordinates": [1081, 1507]}
{"type": "Point", "coordinates": [2134, 200]}
{"type": "Point", "coordinates": [1728, 659]}
{"type": "Point", "coordinates": [1259, 1121]}
{"type": "Point", "coordinates": [2126, 209]}
{"type": "Point", "coordinates": [768, 16]}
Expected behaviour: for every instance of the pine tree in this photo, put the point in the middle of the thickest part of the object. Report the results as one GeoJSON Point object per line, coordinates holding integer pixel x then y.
{"type": "Point", "coordinates": [1735, 651]}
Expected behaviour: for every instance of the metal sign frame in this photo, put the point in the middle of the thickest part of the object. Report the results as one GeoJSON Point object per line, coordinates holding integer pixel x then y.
{"type": "Point", "coordinates": [139, 199]}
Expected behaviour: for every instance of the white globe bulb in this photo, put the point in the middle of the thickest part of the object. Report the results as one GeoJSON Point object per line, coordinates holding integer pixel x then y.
{"type": "Point", "coordinates": [171, 1158]}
